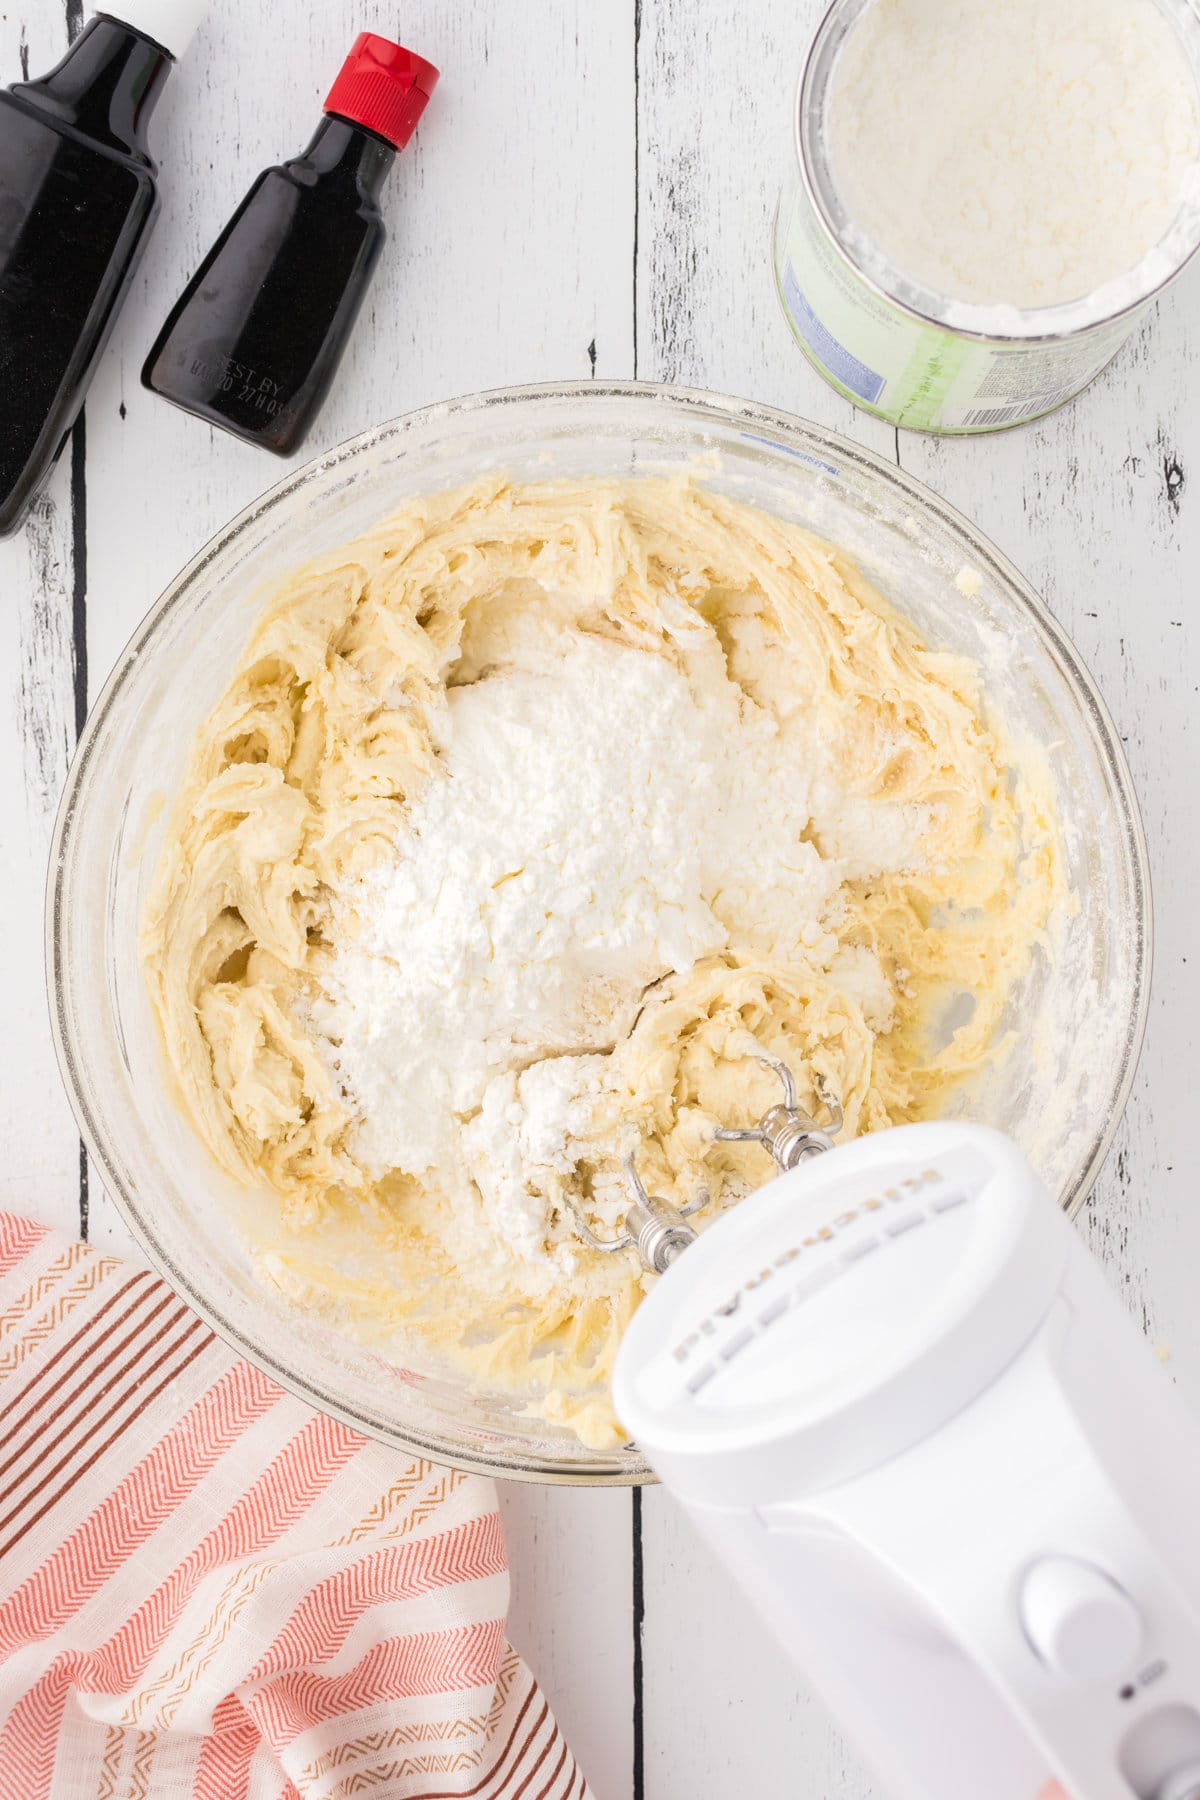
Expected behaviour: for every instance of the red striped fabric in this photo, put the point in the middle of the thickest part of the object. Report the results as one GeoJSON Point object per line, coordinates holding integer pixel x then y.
{"type": "Point", "coordinates": [209, 1592]}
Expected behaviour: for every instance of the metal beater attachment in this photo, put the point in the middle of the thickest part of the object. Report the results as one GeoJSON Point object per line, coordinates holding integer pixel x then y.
{"type": "Point", "coordinates": [658, 1231]}
{"type": "Point", "coordinates": [653, 1227]}
{"type": "Point", "coordinates": [790, 1134]}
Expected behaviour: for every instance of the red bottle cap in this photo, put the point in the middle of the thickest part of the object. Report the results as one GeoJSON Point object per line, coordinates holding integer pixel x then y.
{"type": "Point", "coordinates": [383, 86]}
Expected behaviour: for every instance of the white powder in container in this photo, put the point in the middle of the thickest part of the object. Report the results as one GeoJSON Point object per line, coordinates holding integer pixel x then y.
{"type": "Point", "coordinates": [1023, 154]}
{"type": "Point", "coordinates": [987, 198]}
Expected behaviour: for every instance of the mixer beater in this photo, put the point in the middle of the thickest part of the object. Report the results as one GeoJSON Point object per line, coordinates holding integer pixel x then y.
{"type": "Point", "coordinates": [659, 1232]}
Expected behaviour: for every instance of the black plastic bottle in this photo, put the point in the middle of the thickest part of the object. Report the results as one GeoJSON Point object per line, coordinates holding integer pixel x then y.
{"type": "Point", "coordinates": [254, 340]}
{"type": "Point", "coordinates": [77, 198]}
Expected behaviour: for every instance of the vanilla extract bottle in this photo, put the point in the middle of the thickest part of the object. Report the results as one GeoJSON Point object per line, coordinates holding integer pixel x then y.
{"type": "Point", "coordinates": [255, 339]}
{"type": "Point", "coordinates": [78, 197]}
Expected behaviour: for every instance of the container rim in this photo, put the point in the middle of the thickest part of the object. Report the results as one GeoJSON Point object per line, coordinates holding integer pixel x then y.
{"type": "Point", "coordinates": [617, 1469]}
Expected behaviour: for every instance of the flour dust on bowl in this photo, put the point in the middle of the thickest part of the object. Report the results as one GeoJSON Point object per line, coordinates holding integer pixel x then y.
{"type": "Point", "coordinates": [658, 469]}
{"type": "Point", "coordinates": [986, 198]}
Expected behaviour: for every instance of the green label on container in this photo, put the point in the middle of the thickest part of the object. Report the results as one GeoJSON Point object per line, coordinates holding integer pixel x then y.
{"type": "Point", "coordinates": [910, 373]}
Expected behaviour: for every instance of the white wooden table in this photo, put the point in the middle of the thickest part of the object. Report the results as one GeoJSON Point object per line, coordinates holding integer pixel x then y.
{"type": "Point", "coordinates": [590, 193]}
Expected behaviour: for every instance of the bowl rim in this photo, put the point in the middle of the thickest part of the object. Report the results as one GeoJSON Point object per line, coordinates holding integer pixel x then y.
{"type": "Point", "coordinates": [679, 400]}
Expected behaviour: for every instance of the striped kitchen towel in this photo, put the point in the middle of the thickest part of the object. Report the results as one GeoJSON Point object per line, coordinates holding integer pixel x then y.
{"type": "Point", "coordinates": [209, 1591]}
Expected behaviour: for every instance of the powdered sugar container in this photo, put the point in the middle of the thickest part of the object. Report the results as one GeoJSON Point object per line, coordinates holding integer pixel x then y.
{"type": "Point", "coordinates": [905, 352]}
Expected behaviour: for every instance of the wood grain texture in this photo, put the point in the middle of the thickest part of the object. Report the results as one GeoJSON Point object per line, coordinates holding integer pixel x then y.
{"type": "Point", "coordinates": [571, 1617]}
{"type": "Point", "coordinates": [40, 1168]}
{"type": "Point", "coordinates": [1094, 505]}
{"type": "Point", "coordinates": [591, 191]}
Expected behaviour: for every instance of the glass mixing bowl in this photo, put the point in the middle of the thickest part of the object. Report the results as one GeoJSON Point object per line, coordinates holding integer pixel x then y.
{"type": "Point", "coordinates": [1078, 1018]}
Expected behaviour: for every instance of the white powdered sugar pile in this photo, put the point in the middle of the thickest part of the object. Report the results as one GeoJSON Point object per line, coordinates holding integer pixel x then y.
{"type": "Point", "coordinates": [600, 818]}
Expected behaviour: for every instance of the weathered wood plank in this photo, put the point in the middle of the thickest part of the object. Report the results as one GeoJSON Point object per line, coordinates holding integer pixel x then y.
{"type": "Point", "coordinates": [570, 1614]}
{"type": "Point", "coordinates": [40, 1171]}
{"type": "Point", "coordinates": [716, 87]}
{"type": "Point", "coordinates": [1095, 505]}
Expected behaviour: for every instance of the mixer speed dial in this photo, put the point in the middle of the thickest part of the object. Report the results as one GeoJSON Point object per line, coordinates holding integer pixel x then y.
{"type": "Point", "coordinates": [1081, 1624]}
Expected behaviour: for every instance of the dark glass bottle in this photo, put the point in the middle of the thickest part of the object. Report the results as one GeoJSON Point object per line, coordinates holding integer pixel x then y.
{"type": "Point", "coordinates": [77, 198]}
{"type": "Point", "coordinates": [254, 340]}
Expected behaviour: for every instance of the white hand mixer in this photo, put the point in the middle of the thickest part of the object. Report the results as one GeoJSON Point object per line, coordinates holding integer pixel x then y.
{"type": "Point", "coordinates": [899, 1400]}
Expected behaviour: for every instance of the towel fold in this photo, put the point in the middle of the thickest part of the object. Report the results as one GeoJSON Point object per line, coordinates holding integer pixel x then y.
{"type": "Point", "coordinates": [210, 1592]}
